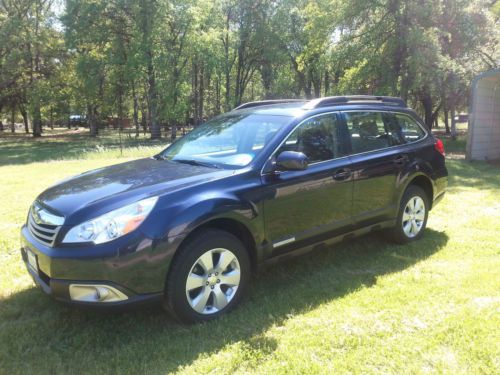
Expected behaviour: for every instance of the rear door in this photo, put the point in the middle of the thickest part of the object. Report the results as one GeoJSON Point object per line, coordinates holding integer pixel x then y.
{"type": "Point", "coordinates": [304, 204]}
{"type": "Point", "coordinates": [376, 163]}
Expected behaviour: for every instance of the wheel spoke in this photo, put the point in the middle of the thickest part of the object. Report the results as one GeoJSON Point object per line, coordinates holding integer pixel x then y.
{"type": "Point", "coordinates": [406, 216]}
{"type": "Point", "coordinates": [420, 215]}
{"type": "Point", "coordinates": [411, 205]}
{"type": "Point", "coordinates": [206, 261]}
{"type": "Point", "coordinates": [225, 259]}
{"type": "Point", "coordinates": [419, 204]}
{"type": "Point", "coordinates": [194, 281]}
{"type": "Point", "coordinates": [231, 278]}
{"type": "Point", "coordinates": [414, 228]}
{"type": "Point", "coordinates": [220, 299]}
{"type": "Point", "coordinates": [200, 302]}
{"type": "Point", "coordinates": [407, 227]}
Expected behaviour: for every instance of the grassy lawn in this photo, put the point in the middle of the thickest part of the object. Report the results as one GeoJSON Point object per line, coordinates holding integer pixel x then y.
{"type": "Point", "coordinates": [363, 306]}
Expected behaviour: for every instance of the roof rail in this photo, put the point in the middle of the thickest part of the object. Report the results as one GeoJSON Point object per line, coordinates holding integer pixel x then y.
{"type": "Point", "coordinates": [267, 102]}
{"type": "Point", "coordinates": [354, 99]}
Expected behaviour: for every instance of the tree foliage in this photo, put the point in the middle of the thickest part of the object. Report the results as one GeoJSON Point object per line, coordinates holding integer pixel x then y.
{"type": "Point", "coordinates": [167, 63]}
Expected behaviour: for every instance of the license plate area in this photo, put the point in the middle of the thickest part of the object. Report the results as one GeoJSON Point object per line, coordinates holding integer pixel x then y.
{"type": "Point", "coordinates": [32, 261]}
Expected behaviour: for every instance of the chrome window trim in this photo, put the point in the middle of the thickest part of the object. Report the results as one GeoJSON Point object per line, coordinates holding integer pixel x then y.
{"type": "Point", "coordinates": [339, 112]}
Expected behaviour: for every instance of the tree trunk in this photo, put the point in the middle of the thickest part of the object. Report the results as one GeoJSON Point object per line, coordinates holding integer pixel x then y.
{"type": "Point", "coordinates": [217, 96]}
{"type": "Point", "coordinates": [25, 119]}
{"type": "Point", "coordinates": [52, 118]}
{"type": "Point", "coordinates": [152, 100]}
{"type": "Point", "coordinates": [201, 92]}
{"type": "Point", "coordinates": [136, 111]}
{"type": "Point", "coordinates": [327, 83]}
{"type": "Point", "coordinates": [120, 109]}
{"type": "Point", "coordinates": [316, 83]}
{"type": "Point", "coordinates": [12, 120]}
{"type": "Point", "coordinates": [308, 90]}
{"type": "Point", "coordinates": [173, 134]}
{"type": "Point", "coordinates": [429, 115]}
{"type": "Point", "coordinates": [266, 73]}
{"type": "Point", "coordinates": [37, 119]}
{"type": "Point", "coordinates": [228, 65]}
{"type": "Point", "coordinates": [196, 116]}
{"type": "Point", "coordinates": [148, 10]}
{"type": "Point", "coordinates": [91, 118]}
{"type": "Point", "coordinates": [446, 121]}
{"type": "Point", "coordinates": [144, 116]}
{"type": "Point", "coordinates": [453, 123]}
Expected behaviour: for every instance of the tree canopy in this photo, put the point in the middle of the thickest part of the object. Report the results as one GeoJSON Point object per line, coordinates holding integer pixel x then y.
{"type": "Point", "coordinates": [167, 63]}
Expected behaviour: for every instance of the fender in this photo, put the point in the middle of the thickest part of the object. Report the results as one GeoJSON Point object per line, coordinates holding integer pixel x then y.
{"type": "Point", "coordinates": [199, 209]}
{"type": "Point", "coordinates": [418, 168]}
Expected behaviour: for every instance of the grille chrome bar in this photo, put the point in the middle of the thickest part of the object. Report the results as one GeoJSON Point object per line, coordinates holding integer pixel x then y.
{"type": "Point", "coordinates": [43, 229]}
{"type": "Point", "coordinates": [44, 233]}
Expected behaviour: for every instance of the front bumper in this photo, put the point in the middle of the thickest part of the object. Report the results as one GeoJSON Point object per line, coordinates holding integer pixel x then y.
{"type": "Point", "coordinates": [135, 266]}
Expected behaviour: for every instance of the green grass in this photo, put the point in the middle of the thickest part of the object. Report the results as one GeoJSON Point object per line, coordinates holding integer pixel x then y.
{"type": "Point", "coordinates": [363, 306]}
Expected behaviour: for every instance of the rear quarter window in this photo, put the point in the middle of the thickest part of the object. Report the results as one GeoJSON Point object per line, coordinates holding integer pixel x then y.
{"type": "Point", "coordinates": [409, 128]}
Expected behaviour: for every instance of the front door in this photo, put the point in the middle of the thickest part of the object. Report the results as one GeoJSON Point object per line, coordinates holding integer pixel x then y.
{"type": "Point", "coordinates": [308, 203]}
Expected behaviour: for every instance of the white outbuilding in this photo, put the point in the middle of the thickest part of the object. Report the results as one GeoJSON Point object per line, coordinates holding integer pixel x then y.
{"type": "Point", "coordinates": [483, 142]}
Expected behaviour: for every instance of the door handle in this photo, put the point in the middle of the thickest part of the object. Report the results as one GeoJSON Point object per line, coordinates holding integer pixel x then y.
{"type": "Point", "coordinates": [401, 159]}
{"type": "Point", "coordinates": [342, 174]}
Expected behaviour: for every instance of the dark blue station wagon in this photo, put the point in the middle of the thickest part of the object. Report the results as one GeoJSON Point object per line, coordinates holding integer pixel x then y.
{"type": "Point", "coordinates": [267, 180]}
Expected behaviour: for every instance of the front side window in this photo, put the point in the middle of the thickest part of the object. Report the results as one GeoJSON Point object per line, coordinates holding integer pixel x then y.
{"type": "Point", "coordinates": [317, 138]}
{"type": "Point", "coordinates": [228, 141]}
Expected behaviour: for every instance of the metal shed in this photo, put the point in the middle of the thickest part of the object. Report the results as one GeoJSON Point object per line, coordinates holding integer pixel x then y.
{"type": "Point", "coordinates": [483, 142]}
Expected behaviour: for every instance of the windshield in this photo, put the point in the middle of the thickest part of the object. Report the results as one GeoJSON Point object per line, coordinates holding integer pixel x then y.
{"type": "Point", "coordinates": [232, 140]}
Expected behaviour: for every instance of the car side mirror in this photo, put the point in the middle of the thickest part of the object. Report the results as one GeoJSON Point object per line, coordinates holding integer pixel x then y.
{"type": "Point", "coordinates": [292, 161]}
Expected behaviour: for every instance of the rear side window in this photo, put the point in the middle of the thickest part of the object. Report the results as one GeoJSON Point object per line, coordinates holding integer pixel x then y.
{"type": "Point", "coordinates": [317, 138]}
{"type": "Point", "coordinates": [371, 131]}
{"type": "Point", "coordinates": [367, 131]}
{"type": "Point", "coordinates": [410, 130]}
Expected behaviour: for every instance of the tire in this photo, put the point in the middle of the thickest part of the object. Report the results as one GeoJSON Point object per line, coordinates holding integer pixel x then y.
{"type": "Point", "coordinates": [198, 291]}
{"type": "Point", "coordinates": [411, 221]}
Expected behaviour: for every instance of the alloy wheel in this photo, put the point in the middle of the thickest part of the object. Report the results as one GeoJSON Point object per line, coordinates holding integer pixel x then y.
{"type": "Point", "coordinates": [413, 216]}
{"type": "Point", "coordinates": [213, 281]}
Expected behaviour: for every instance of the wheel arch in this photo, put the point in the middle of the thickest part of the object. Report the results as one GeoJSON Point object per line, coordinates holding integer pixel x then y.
{"type": "Point", "coordinates": [425, 183]}
{"type": "Point", "coordinates": [232, 226]}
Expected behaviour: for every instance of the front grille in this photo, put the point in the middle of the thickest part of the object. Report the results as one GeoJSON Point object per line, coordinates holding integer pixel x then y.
{"type": "Point", "coordinates": [45, 233]}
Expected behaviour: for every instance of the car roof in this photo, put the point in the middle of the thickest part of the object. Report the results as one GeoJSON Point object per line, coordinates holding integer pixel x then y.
{"type": "Point", "coordinates": [297, 108]}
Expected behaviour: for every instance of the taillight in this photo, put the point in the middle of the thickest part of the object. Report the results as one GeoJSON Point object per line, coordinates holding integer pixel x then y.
{"type": "Point", "coordinates": [439, 146]}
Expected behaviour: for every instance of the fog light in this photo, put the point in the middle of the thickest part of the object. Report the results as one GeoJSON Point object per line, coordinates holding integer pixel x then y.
{"type": "Point", "coordinates": [95, 293]}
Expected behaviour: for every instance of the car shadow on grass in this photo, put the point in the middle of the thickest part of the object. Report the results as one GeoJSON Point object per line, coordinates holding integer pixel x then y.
{"type": "Point", "coordinates": [38, 334]}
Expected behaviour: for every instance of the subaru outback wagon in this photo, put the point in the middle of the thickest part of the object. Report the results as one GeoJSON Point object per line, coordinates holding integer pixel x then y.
{"type": "Point", "coordinates": [268, 180]}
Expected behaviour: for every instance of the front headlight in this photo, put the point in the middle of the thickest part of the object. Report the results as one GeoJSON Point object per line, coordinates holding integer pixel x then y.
{"type": "Point", "coordinates": [112, 225]}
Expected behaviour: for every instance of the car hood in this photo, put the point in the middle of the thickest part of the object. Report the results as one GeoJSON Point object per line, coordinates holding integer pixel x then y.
{"type": "Point", "coordinates": [123, 183]}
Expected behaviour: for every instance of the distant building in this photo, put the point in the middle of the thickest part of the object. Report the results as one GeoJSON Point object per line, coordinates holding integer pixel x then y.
{"type": "Point", "coordinates": [483, 142]}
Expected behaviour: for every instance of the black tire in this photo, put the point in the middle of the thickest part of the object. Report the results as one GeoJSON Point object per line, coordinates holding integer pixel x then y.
{"type": "Point", "coordinates": [398, 234]}
{"type": "Point", "coordinates": [176, 299]}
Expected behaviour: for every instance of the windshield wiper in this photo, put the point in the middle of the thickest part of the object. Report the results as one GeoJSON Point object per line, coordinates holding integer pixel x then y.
{"type": "Point", "coordinates": [159, 157]}
{"type": "Point", "coordinates": [197, 162]}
